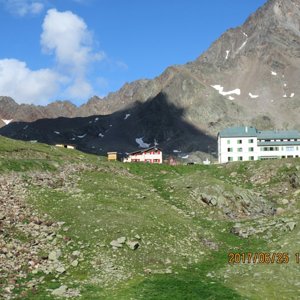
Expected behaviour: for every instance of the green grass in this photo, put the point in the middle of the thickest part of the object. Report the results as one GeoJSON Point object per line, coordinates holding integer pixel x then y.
{"type": "Point", "coordinates": [154, 202]}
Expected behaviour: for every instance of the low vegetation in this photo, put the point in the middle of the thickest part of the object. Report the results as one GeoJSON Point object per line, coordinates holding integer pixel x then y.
{"type": "Point", "coordinates": [73, 225]}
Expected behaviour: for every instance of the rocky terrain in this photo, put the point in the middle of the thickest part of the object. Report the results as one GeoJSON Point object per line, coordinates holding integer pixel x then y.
{"type": "Point", "coordinates": [73, 225]}
{"type": "Point", "coordinates": [249, 76]}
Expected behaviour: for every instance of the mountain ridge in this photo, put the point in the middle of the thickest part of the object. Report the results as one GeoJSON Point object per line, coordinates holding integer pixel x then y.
{"type": "Point", "coordinates": [246, 77]}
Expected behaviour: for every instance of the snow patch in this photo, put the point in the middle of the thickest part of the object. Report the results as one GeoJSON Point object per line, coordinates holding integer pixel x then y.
{"type": "Point", "coordinates": [127, 116]}
{"type": "Point", "coordinates": [242, 46]}
{"type": "Point", "coordinates": [227, 54]}
{"type": "Point", "coordinates": [73, 139]}
{"type": "Point", "coordinates": [6, 121]}
{"type": "Point", "coordinates": [141, 143]}
{"type": "Point", "coordinates": [273, 73]}
{"type": "Point", "coordinates": [81, 136]}
{"type": "Point", "coordinates": [56, 132]}
{"type": "Point", "coordinates": [24, 128]}
{"type": "Point", "coordinates": [253, 96]}
{"type": "Point", "coordinates": [96, 119]}
{"type": "Point", "coordinates": [284, 84]}
{"type": "Point", "coordinates": [231, 98]}
{"type": "Point", "coordinates": [185, 157]}
{"type": "Point", "coordinates": [220, 89]}
{"type": "Point", "coordinates": [284, 96]}
{"type": "Point", "coordinates": [101, 135]}
{"type": "Point", "coordinates": [292, 95]}
{"type": "Point", "coordinates": [176, 151]}
{"type": "Point", "coordinates": [245, 34]}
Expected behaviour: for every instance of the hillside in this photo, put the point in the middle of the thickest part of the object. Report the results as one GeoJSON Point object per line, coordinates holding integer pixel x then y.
{"type": "Point", "coordinates": [73, 224]}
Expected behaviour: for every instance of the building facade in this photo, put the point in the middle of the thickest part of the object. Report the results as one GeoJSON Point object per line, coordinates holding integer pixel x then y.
{"type": "Point", "coordinates": [151, 155]}
{"type": "Point", "coordinates": [247, 143]}
{"type": "Point", "coordinates": [112, 156]}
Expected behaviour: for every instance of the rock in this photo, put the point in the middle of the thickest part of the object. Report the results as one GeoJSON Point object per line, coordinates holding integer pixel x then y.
{"type": "Point", "coordinates": [76, 253]}
{"type": "Point", "coordinates": [133, 245]}
{"type": "Point", "coordinates": [137, 237]}
{"type": "Point", "coordinates": [60, 292]}
{"type": "Point", "coordinates": [60, 270]}
{"type": "Point", "coordinates": [74, 263]}
{"type": "Point", "coordinates": [115, 244]}
{"type": "Point", "coordinates": [280, 211]}
{"type": "Point", "coordinates": [2, 216]}
{"type": "Point", "coordinates": [54, 255]}
{"type": "Point", "coordinates": [213, 201]}
{"type": "Point", "coordinates": [295, 180]}
{"type": "Point", "coordinates": [121, 240]}
{"type": "Point", "coordinates": [291, 225]}
{"type": "Point", "coordinates": [285, 201]}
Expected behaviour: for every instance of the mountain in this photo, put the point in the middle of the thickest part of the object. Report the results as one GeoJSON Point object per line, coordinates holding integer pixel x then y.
{"type": "Point", "coordinates": [248, 76]}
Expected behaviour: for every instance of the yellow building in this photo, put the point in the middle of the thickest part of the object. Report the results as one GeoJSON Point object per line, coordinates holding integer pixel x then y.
{"type": "Point", "coordinates": [112, 156]}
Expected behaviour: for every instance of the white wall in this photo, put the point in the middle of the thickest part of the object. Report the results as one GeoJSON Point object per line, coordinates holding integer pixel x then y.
{"type": "Point", "coordinates": [145, 156]}
{"type": "Point", "coordinates": [233, 143]}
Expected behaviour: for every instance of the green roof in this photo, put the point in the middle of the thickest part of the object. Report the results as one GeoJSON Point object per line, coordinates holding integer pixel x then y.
{"type": "Point", "coordinates": [249, 131]}
{"type": "Point", "coordinates": [278, 134]}
{"type": "Point", "coordinates": [244, 131]}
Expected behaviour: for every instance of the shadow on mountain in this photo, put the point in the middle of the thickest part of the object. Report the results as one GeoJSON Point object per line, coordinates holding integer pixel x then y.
{"type": "Point", "coordinates": [157, 119]}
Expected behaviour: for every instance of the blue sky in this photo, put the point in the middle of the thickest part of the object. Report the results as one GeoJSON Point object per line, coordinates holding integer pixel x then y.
{"type": "Point", "coordinates": [74, 49]}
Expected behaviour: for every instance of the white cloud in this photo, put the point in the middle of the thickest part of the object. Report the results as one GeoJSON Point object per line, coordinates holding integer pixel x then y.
{"type": "Point", "coordinates": [23, 7]}
{"type": "Point", "coordinates": [25, 85]}
{"type": "Point", "coordinates": [80, 89]}
{"type": "Point", "coordinates": [67, 36]}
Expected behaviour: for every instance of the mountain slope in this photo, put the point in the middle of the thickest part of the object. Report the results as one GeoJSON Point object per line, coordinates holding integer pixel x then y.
{"type": "Point", "coordinates": [249, 76]}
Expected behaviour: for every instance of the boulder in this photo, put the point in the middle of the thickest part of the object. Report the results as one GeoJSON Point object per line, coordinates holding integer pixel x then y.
{"type": "Point", "coordinates": [133, 245]}
{"type": "Point", "coordinates": [60, 292]}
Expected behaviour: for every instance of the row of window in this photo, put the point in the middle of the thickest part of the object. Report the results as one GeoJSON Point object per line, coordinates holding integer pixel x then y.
{"type": "Point", "coordinates": [240, 158]}
{"type": "Point", "coordinates": [280, 140]}
{"type": "Point", "coordinates": [287, 148]}
{"type": "Point", "coordinates": [250, 149]}
{"type": "Point", "coordinates": [239, 142]}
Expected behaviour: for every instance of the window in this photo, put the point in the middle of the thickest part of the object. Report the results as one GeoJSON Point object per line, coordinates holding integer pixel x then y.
{"type": "Point", "coordinates": [230, 158]}
{"type": "Point", "coordinates": [156, 160]}
{"type": "Point", "coordinates": [229, 149]}
{"type": "Point", "coordinates": [250, 149]}
{"type": "Point", "coordinates": [228, 142]}
{"type": "Point", "coordinates": [240, 149]}
{"type": "Point", "coordinates": [240, 158]}
{"type": "Point", "coordinates": [290, 148]}
{"type": "Point", "coordinates": [239, 141]}
{"type": "Point", "coordinates": [269, 148]}
{"type": "Point", "coordinates": [251, 157]}
{"type": "Point", "coordinates": [250, 141]}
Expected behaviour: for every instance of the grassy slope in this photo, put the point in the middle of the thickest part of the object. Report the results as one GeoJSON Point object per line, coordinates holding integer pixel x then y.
{"type": "Point", "coordinates": [153, 202]}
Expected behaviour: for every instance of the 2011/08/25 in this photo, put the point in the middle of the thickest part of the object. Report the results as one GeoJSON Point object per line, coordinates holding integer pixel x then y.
{"type": "Point", "coordinates": [261, 258]}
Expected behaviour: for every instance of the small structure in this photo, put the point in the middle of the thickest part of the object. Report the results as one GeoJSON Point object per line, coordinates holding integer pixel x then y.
{"type": "Point", "coordinates": [66, 146]}
{"type": "Point", "coordinates": [206, 162]}
{"type": "Point", "coordinates": [151, 155]}
{"type": "Point", "coordinates": [112, 156]}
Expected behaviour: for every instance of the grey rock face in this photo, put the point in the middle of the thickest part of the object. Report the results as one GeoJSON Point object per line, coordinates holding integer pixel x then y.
{"type": "Point", "coordinates": [248, 76]}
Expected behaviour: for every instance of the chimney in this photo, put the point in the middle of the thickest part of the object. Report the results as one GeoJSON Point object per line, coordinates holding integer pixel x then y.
{"type": "Point", "coordinates": [246, 129]}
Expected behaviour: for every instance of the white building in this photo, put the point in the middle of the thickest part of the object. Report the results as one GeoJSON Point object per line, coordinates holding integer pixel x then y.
{"type": "Point", "coordinates": [150, 155]}
{"type": "Point", "coordinates": [247, 143]}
